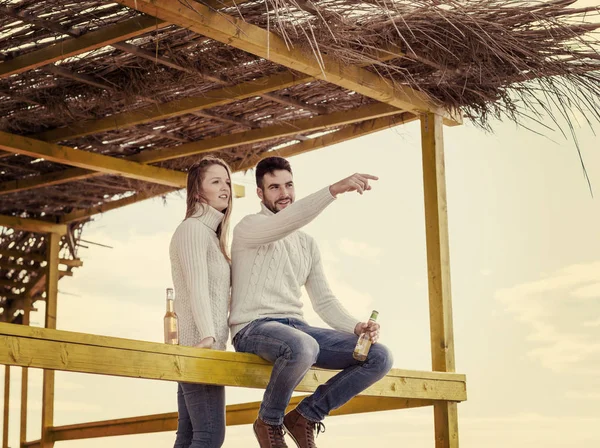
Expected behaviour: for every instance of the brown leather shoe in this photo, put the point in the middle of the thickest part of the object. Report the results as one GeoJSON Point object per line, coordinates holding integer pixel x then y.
{"type": "Point", "coordinates": [301, 430]}
{"type": "Point", "coordinates": [269, 436]}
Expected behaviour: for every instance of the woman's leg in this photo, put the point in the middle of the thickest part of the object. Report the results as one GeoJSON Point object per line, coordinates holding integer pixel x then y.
{"type": "Point", "coordinates": [183, 439]}
{"type": "Point", "coordinates": [206, 407]}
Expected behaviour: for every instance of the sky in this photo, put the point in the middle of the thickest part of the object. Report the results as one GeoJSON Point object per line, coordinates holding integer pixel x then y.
{"type": "Point", "coordinates": [525, 266]}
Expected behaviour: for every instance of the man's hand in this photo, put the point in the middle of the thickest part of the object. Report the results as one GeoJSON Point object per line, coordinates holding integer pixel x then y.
{"type": "Point", "coordinates": [206, 343]}
{"type": "Point", "coordinates": [371, 328]}
{"type": "Point", "coordinates": [356, 182]}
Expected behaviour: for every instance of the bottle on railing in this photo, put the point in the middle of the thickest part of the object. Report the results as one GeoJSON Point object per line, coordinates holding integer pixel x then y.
{"type": "Point", "coordinates": [171, 327]}
{"type": "Point", "coordinates": [363, 344]}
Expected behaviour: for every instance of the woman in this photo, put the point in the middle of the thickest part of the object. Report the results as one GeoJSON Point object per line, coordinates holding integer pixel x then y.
{"type": "Point", "coordinates": [200, 267]}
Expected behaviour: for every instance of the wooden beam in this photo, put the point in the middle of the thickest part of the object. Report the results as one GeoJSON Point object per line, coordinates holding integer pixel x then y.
{"type": "Point", "coordinates": [438, 266]}
{"type": "Point", "coordinates": [76, 263]}
{"type": "Point", "coordinates": [342, 135]}
{"type": "Point", "coordinates": [52, 276]}
{"type": "Point", "coordinates": [91, 161]}
{"type": "Point", "coordinates": [75, 46]}
{"type": "Point", "coordinates": [262, 43]}
{"type": "Point", "coordinates": [340, 118]}
{"type": "Point", "coordinates": [6, 406]}
{"type": "Point", "coordinates": [79, 352]}
{"type": "Point", "coordinates": [214, 144]}
{"type": "Point", "coordinates": [236, 414]}
{"type": "Point", "coordinates": [31, 225]}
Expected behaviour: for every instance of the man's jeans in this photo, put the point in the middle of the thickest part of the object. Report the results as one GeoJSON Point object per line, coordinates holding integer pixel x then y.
{"type": "Point", "coordinates": [294, 347]}
{"type": "Point", "coordinates": [201, 420]}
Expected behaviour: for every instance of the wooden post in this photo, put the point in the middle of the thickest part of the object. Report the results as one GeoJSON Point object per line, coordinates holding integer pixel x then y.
{"type": "Point", "coordinates": [24, 386]}
{"type": "Point", "coordinates": [438, 267]}
{"type": "Point", "coordinates": [52, 275]}
{"type": "Point", "coordinates": [6, 405]}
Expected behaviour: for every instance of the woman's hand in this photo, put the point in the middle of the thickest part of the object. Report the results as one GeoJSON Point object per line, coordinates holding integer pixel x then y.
{"type": "Point", "coordinates": [206, 343]}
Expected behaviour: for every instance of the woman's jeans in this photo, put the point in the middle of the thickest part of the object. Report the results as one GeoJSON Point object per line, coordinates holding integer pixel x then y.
{"type": "Point", "coordinates": [294, 347]}
{"type": "Point", "coordinates": [201, 421]}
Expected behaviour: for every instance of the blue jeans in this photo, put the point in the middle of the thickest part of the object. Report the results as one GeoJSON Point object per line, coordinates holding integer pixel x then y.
{"type": "Point", "coordinates": [294, 347]}
{"type": "Point", "coordinates": [201, 420]}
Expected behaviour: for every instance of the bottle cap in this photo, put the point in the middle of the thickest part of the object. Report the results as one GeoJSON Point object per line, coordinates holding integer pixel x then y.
{"type": "Point", "coordinates": [374, 315]}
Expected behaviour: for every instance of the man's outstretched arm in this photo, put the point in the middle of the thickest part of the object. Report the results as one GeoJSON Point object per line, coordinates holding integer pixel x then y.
{"type": "Point", "coordinates": [256, 230]}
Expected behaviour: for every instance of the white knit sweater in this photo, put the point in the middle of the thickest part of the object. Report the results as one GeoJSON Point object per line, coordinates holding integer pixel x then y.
{"type": "Point", "coordinates": [201, 278]}
{"type": "Point", "coordinates": [272, 260]}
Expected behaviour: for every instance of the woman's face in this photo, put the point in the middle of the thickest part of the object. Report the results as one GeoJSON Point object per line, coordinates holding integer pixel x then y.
{"type": "Point", "coordinates": [216, 187]}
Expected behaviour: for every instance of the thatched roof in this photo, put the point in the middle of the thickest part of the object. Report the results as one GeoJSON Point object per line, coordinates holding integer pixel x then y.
{"type": "Point", "coordinates": [486, 58]}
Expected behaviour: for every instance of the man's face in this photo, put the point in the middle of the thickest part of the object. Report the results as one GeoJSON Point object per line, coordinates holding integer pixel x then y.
{"type": "Point", "coordinates": [278, 190]}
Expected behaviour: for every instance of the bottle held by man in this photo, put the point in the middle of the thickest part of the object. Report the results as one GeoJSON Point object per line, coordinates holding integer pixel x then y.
{"type": "Point", "coordinates": [363, 344]}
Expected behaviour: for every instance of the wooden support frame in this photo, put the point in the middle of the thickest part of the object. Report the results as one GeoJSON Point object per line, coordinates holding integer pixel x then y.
{"type": "Point", "coordinates": [89, 160]}
{"type": "Point", "coordinates": [24, 388]}
{"type": "Point", "coordinates": [262, 43]}
{"type": "Point", "coordinates": [32, 225]}
{"type": "Point", "coordinates": [438, 266]}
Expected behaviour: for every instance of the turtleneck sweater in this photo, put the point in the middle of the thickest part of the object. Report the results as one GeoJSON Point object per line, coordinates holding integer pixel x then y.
{"type": "Point", "coordinates": [271, 261]}
{"type": "Point", "coordinates": [201, 279]}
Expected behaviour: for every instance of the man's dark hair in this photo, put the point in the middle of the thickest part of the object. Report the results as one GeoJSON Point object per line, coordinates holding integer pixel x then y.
{"type": "Point", "coordinates": [270, 165]}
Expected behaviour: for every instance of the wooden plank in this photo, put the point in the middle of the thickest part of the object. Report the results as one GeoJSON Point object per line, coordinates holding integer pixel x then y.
{"type": "Point", "coordinates": [262, 43]}
{"type": "Point", "coordinates": [75, 46]}
{"type": "Point", "coordinates": [76, 352]}
{"type": "Point", "coordinates": [333, 138]}
{"type": "Point", "coordinates": [236, 414]}
{"type": "Point", "coordinates": [31, 225]}
{"type": "Point", "coordinates": [6, 406]}
{"type": "Point", "coordinates": [438, 266]}
{"type": "Point", "coordinates": [52, 276]}
{"type": "Point", "coordinates": [91, 161]}
{"type": "Point", "coordinates": [175, 108]}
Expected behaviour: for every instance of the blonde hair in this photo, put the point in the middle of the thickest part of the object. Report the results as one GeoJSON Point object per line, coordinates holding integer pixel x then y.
{"type": "Point", "coordinates": [195, 196]}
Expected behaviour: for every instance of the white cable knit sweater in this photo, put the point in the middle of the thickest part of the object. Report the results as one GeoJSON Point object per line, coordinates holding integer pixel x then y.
{"type": "Point", "coordinates": [201, 278]}
{"type": "Point", "coordinates": [272, 260]}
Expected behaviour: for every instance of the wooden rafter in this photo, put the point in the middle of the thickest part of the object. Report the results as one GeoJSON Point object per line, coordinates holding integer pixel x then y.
{"type": "Point", "coordinates": [10, 253]}
{"type": "Point", "coordinates": [90, 160]}
{"type": "Point", "coordinates": [265, 44]}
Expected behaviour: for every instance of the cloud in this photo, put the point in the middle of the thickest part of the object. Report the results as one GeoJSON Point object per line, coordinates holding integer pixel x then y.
{"type": "Point", "coordinates": [359, 249]}
{"type": "Point", "coordinates": [560, 329]}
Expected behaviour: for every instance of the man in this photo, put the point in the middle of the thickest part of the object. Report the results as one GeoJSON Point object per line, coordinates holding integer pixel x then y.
{"type": "Point", "coordinates": [272, 260]}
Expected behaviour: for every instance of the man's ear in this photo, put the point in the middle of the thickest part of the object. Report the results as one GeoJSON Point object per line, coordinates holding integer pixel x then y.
{"type": "Point", "coordinates": [259, 192]}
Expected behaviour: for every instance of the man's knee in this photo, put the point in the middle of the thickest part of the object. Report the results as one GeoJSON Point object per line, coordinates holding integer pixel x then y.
{"type": "Point", "coordinates": [303, 349]}
{"type": "Point", "coordinates": [381, 358]}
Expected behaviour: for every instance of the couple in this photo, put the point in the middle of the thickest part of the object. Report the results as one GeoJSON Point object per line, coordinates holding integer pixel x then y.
{"type": "Point", "coordinates": [271, 259]}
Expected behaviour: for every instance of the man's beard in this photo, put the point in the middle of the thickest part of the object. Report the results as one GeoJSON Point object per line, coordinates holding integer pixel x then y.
{"type": "Point", "coordinates": [273, 205]}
